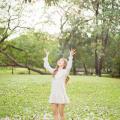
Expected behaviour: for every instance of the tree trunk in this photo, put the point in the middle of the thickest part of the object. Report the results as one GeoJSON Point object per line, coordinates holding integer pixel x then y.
{"type": "Point", "coordinates": [29, 72]}
{"type": "Point", "coordinates": [119, 71]}
{"type": "Point", "coordinates": [12, 70]}
{"type": "Point", "coordinates": [85, 68]}
{"type": "Point", "coordinates": [16, 63]}
{"type": "Point", "coordinates": [96, 9]}
{"type": "Point", "coordinates": [96, 63]}
{"type": "Point", "coordinates": [74, 67]}
{"type": "Point", "coordinates": [100, 67]}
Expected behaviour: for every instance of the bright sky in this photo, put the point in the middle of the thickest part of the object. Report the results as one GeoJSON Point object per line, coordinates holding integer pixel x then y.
{"type": "Point", "coordinates": [43, 18]}
{"type": "Point", "coordinates": [40, 16]}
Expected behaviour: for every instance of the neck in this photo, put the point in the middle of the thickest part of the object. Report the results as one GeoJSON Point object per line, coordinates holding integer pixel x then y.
{"type": "Point", "coordinates": [60, 67]}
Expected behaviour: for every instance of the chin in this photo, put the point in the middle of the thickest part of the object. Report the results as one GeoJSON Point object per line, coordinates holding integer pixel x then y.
{"type": "Point", "coordinates": [59, 65]}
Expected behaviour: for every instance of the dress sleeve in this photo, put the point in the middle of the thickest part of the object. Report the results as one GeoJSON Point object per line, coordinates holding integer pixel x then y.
{"type": "Point", "coordinates": [47, 65]}
{"type": "Point", "coordinates": [69, 64]}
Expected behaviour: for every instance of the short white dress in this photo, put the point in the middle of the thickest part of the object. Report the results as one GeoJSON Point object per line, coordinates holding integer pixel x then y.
{"type": "Point", "coordinates": [58, 90]}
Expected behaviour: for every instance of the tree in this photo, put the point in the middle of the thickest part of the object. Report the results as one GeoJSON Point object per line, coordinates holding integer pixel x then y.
{"type": "Point", "coordinates": [29, 51]}
{"type": "Point", "coordinates": [100, 26]}
{"type": "Point", "coordinates": [10, 23]}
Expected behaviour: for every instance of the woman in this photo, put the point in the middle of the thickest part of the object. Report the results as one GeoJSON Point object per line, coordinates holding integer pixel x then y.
{"type": "Point", "coordinates": [58, 97]}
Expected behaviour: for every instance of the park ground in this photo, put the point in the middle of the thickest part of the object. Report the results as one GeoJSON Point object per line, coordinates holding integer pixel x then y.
{"type": "Point", "coordinates": [91, 98]}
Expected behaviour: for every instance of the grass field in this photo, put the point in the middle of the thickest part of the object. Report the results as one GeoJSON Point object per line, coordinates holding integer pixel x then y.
{"type": "Point", "coordinates": [92, 98]}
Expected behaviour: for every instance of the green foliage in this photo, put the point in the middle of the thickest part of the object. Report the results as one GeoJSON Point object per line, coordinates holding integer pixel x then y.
{"type": "Point", "coordinates": [48, 2]}
{"type": "Point", "coordinates": [32, 45]}
{"type": "Point", "coordinates": [26, 96]}
{"type": "Point", "coordinates": [2, 30]}
{"type": "Point", "coordinates": [113, 55]}
{"type": "Point", "coordinates": [93, 35]}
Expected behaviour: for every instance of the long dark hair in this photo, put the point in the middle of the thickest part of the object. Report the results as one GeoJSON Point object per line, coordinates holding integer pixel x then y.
{"type": "Point", "coordinates": [56, 70]}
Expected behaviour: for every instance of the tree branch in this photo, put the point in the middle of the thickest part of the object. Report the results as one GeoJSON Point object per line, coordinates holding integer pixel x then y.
{"type": "Point", "coordinates": [16, 63]}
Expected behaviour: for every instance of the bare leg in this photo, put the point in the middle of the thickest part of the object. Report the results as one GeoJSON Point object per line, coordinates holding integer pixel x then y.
{"type": "Point", "coordinates": [61, 111]}
{"type": "Point", "coordinates": [55, 111]}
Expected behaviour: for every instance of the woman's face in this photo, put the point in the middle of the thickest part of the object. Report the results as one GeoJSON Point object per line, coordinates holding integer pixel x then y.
{"type": "Point", "coordinates": [61, 62]}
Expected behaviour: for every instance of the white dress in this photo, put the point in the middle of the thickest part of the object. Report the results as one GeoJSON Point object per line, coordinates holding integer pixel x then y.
{"type": "Point", "coordinates": [58, 90]}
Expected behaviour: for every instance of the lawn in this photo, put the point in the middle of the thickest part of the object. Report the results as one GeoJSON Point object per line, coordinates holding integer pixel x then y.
{"type": "Point", "coordinates": [91, 98]}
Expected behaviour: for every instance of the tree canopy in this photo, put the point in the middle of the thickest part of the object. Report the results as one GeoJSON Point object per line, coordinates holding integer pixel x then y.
{"type": "Point", "coordinates": [91, 26]}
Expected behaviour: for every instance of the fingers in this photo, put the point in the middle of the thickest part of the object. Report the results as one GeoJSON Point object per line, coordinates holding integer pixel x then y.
{"type": "Point", "coordinates": [73, 51]}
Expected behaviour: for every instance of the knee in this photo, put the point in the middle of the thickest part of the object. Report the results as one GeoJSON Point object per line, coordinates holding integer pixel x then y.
{"type": "Point", "coordinates": [55, 113]}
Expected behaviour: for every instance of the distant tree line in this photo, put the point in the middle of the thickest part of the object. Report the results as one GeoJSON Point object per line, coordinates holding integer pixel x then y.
{"type": "Point", "coordinates": [96, 38]}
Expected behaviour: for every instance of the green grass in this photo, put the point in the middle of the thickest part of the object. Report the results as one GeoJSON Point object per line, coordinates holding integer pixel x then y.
{"type": "Point", "coordinates": [17, 70]}
{"type": "Point", "coordinates": [92, 98]}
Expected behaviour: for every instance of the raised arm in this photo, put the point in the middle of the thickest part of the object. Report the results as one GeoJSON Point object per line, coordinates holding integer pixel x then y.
{"type": "Point", "coordinates": [47, 65]}
{"type": "Point", "coordinates": [70, 61]}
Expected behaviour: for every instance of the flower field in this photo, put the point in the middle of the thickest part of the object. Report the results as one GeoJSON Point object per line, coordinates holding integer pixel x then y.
{"type": "Point", "coordinates": [25, 97]}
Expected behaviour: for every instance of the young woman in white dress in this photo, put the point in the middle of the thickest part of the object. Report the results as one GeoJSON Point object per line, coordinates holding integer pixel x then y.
{"type": "Point", "coordinates": [58, 97]}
